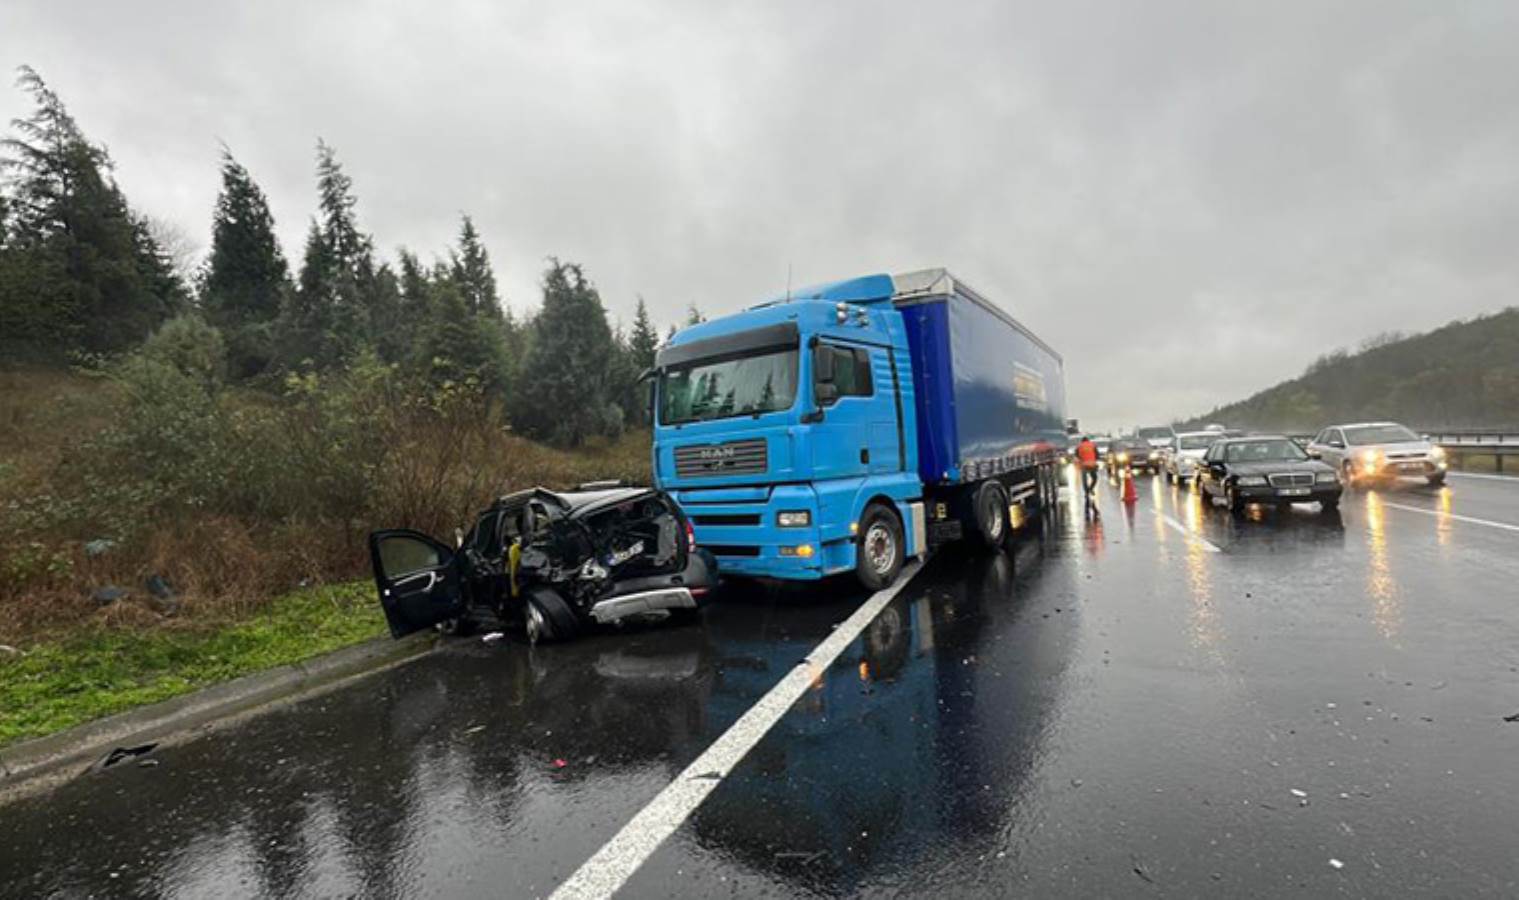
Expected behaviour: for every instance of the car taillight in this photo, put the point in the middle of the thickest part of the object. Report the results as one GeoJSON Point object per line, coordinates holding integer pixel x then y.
{"type": "Point", "coordinates": [690, 537]}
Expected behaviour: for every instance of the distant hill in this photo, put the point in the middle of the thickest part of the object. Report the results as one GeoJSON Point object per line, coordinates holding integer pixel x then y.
{"type": "Point", "coordinates": [1465, 374]}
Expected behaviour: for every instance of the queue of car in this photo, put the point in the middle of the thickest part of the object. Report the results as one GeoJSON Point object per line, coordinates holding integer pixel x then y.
{"type": "Point", "coordinates": [1230, 467]}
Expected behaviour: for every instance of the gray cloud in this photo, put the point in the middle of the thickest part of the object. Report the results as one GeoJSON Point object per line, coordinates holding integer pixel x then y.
{"type": "Point", "coordinates": [1190, 200]}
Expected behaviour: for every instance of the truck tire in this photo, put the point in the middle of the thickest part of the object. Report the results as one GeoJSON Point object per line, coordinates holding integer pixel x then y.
{"type": "Point", "coordinates": [548, 618]}
{"type": "Point", "coordinates": [880, 549]}
{"type": "Point", "coordinates": [990, 509]}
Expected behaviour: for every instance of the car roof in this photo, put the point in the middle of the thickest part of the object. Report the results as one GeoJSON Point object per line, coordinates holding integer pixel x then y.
{"type": "Point", "coordinates": [1251, 438]}
{"type": "Point", "coordinates": [1182, 434]}
{"type": "Point", "coordinates": [1369, 425]}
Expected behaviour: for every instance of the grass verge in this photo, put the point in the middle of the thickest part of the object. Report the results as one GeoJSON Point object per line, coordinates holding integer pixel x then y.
{"type": "Point", "coordinates": [57, 685]}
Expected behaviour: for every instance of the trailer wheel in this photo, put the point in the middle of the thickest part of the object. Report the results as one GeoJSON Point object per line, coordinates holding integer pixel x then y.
{"type": "Point", "coordinates": [548, 617]}
{"type": "Point", "coordinates": [879, 553]}
{"type": "Point", "coordinates": [991, 514]}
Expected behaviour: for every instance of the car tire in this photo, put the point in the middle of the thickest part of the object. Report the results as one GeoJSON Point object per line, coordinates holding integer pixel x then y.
{"type": "Point", "coordinates": [1436, 480]}
{"type": "Point", "coordinates": [1329, 507]}
{"type": "Point", "coordinates": [548, 618]}
{"type": "Point", "coordinates": [879, 551]}
{"type": "Point", "coordinates": [991, 514]}
{"type": "Point", "coordinates": [1235, 501]}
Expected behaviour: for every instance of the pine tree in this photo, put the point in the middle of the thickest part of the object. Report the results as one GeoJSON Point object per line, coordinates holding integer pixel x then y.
{"type": "Point", "coordinates": [246, 277]}
{"type": "Point", "coordinates": [471, 272]}
{"type": "Point", "coordinates": [563, 392]}
{"type": "Point", "coordinates": [643, 341]}
{"type": "Point", "coordinates": [694, 316]}
{"type": "Point", "coordinates": [331, 315]}
{"type": "Point", "coordinates": [79, 271]}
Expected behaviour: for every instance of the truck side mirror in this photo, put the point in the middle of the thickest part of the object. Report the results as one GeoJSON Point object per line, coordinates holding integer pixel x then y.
{"type": "Point", "coordinates": [826, 393]}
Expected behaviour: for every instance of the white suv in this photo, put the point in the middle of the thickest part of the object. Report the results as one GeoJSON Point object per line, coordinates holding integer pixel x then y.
{"type": "Point", "coordinates": [1374, 451]}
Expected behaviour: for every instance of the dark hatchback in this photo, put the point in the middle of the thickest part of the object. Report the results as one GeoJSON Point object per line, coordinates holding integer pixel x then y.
{"type": "Point", "coordinates": [1269, 469]}
{"type": "Point", "coordinates": [557, 563]}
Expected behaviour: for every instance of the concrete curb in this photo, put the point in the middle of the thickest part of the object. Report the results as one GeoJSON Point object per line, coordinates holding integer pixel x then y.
{"type": "Point", "coordinates": [38, 764]}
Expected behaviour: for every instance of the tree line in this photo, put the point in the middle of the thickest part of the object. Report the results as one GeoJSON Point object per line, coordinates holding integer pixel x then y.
{"type": "Point", "coordinates": [84, 276]}
{"type": "Point", "coordinates": [1464, 374]}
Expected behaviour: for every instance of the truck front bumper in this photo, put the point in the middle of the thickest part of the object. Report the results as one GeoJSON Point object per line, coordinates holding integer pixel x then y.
{"type": "Point", "coordinates": [748, 541]}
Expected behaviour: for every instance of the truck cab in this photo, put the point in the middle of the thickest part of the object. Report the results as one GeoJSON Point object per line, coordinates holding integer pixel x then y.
{"type": "Point", "coordinates": [777, 428]}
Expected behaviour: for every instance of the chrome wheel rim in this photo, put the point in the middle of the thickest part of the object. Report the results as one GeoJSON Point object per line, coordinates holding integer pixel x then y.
{"type": "Point", "coordinates": [534, 624]}
{"type": "Point", "coordinates": [880, 548]}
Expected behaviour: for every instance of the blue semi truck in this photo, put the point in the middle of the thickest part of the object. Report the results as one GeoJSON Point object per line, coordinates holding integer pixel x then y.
{"type": "Point", "coordinates": [849, 426]}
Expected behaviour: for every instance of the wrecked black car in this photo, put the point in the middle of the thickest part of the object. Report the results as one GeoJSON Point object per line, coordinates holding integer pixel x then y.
{"type": "Point", "coordinates": [555, 563]}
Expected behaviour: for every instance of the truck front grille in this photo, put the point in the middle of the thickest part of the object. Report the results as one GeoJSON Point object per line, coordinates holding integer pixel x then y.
{"type": "Point", "coordinates": [746, 457]}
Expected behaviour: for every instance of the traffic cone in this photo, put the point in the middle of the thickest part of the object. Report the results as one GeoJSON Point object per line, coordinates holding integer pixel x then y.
{"type": "Point", "coordinates": [1129, 494]}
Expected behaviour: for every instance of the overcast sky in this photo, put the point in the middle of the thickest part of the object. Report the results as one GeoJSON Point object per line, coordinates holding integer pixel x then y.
{"type": "Point", "coordinates": [1189, 201]}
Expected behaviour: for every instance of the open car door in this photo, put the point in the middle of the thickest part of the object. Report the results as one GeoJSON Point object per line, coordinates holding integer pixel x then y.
{"type": "Point", "coordinates": [418, 580]}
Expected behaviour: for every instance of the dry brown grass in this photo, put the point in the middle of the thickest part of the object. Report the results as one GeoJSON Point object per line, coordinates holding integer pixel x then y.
{"type": "Point", "coordinates": [433, 476]}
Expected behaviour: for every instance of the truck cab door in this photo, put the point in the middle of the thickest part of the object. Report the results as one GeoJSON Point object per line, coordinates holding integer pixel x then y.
{"type": "Point", "coordinates": [844, 393]}
{"type": "Point", "coordinates": [418, 580]}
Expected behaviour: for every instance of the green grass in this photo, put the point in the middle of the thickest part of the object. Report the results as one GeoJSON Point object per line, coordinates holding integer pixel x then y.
{"type": "Point", "coordinates": [58, 685]}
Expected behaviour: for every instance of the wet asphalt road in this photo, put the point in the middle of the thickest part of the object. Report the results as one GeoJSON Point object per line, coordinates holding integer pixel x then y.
{"type": "Point", "coordinates": [1120, 706]}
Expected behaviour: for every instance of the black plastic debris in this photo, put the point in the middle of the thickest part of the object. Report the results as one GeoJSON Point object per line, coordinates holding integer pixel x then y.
{"type": "Point", "coordinates": [161, 596]}
{"type": "Point", "coordinates": [122, 754]}
{"type": "Point", "coordinates": [1512, 718]}
{"type": "Point", "coordinates": [105, 596]}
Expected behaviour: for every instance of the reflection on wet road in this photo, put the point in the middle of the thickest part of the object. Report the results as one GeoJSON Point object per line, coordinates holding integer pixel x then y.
{"type": "Point", "coordinates": [1112, 708]}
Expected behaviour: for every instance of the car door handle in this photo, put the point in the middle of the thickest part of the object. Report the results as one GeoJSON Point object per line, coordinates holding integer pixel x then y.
{"type": "Point", "coordinates": [432, 580]}
{"type": "Point", "coordinates": [864, 455]}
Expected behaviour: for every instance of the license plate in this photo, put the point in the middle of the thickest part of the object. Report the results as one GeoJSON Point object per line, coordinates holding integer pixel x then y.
{"type": "Point", "coordinates": [1294, 492]}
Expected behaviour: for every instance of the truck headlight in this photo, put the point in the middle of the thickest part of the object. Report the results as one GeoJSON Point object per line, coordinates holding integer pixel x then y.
{"type": "Point", "coordinates": [794, 518]}
{"type": "Point", "coordinates": [1155, 454]}
{"type": "Point", "coordinates": [1250, 480]}
{"type": "Point", "coordinates": [1327, 478]}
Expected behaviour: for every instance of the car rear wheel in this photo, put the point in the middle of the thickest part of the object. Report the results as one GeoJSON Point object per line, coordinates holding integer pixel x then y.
{"type": "Point", "coordinates": [548, 618]}
{"type": "Point", "coordinates": [880, 552]}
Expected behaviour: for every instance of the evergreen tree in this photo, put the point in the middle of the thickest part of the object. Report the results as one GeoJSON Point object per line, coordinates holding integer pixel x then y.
{"type": "Point", "coordinates": [78, 270]}
{"type": "Point", "coordinates": [331, 315]}
{"type": "Point", "coordinates": [246, 277]}
{"type": "Point", "coordinates": [563, 392]}
{"type": "Point", "coordinates": [643, 341]}
{"type": "Point", "coordinates": [471, 272]}
{"type": "Point", "coordinates": [694, 316]}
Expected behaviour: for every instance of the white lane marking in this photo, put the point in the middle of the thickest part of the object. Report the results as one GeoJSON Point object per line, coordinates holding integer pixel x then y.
{"type": "Point", "coordinates": [1511, 479]}
{"type": "Point", "coordinates": [610, 867]}
{"type": "Point", "coordinates": [1437, 514]}
{"type": "Point", "coordinates": [1189, 534]}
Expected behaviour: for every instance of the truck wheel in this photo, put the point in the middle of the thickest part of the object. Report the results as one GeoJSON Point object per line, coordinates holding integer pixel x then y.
{"type": "Point", "coordinates": [879, 554]}
{"type": "Point", "coordinates": [991, 514]}
{"type": "Point", "coordinates": [548, 618]}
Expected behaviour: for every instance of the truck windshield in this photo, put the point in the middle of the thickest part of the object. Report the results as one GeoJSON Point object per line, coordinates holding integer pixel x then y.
{"type": "Point", "coordinates": [741, 386]}
{"type": "Point", "coordinates": [1155, 434]}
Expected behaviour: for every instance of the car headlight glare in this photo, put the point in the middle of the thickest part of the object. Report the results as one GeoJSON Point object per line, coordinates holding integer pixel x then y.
{"type": "Point", "coordinates": [1250, 480]}
{"type": "Point", "coordinates": [1437, 454]}
{"type": "Point", "coordinates": [793, 518]}
{"type": "Point", "coordinates": [1155, 455]}
{"type": "Point", "coordinates": [1123, 457]}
